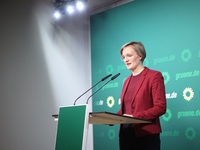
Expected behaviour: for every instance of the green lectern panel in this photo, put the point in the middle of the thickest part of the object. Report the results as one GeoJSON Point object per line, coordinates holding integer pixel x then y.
{"type": "Point", "coordinates": [71, 128]}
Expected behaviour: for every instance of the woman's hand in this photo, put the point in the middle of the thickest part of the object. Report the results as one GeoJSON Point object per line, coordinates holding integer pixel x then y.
{"type": "Point", "coordinates": [128, 115]}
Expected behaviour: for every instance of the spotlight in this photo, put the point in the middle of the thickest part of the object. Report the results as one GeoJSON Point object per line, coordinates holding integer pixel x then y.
{"type": "Point", "coordinates": [80, 5]}
{"type": "Point", "coordinates": [57, 14]}
{"type": "Point", "coordinates": [70, 9]}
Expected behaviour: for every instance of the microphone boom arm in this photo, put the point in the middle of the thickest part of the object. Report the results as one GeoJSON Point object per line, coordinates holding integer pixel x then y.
{"type": "Point", "coordinates": [114, 77]}
{"type": "Point", "coordinates": [97, 91]}
{"type": "Point", "coordinates": [104, 78]}
{"type": "Point", "coordinates": [85, 92]}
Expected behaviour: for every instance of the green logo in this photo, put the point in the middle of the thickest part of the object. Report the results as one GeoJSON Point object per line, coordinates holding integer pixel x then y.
{"type": "Point", "coordinates": [190, 133]}
{"type": "Point", "coordinates": [186, 55]}
{"type": "Point", "coordinates": [188, 94]}
{"type": "Point", "coordinates": [166, 77]}
{"type": "Point", "coordinates": [111, 134]}
{"type": "Point", "coordinates": [110, 101]}
{"type": "Point", "coordinates": [167, 116]}
{"type": "Point", "coordinates": [109, 69]}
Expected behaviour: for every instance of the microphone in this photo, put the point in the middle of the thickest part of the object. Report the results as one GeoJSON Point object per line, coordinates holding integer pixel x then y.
{"type": "Point", "coordinates": [104, 78]}
{"type": "Point", "coordinates": [114, 77]}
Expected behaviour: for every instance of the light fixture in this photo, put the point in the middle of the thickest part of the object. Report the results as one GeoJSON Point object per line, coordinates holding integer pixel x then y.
{"type": "Point", "coordinates": [80, 5]}
{"type": "Point", "coordinates": [64, 7]}
{"type": "Point", "coordinates": [57, 14]}
{"type": "Point", "coordinates": [70, 8]}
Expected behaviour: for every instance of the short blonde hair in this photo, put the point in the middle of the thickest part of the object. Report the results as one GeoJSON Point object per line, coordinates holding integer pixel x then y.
{"type": "Point", "coordinates": [138, 47]}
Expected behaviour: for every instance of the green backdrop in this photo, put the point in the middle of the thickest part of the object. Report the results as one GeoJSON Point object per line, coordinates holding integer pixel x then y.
{"type": "Point", "coordinates": [170, 31]}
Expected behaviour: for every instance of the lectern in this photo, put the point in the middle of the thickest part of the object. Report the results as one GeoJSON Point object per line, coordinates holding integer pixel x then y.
{"type": "Point", "coordinates": [73, 124]}
{"type": "Point", "coordinates": [72, 128]}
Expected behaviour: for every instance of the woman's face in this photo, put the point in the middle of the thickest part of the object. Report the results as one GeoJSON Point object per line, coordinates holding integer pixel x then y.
{"type": "Point", "coordinates": [131, 59]}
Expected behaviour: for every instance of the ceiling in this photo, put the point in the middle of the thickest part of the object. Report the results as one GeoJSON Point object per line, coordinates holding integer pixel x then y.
{"type": "Point", "coordinates": [94, 5]}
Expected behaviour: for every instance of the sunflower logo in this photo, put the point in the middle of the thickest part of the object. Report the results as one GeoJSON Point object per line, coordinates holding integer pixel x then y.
{"type": "Point", "coordinates": [166, 77]}
{"type": "Point", "coordinates": [186, 55]}
{"type": "Point", "coordinates": [188, 94]}
{"type": "Point", "coordinates": [110, 101]}
{"type": "Point", "coordinates": [111, 134]}
{"type": "Point", "coordinates": [109, 69]}
{"type": "Point", "coordinates": [167, 116]}
{"type": "Point", "coordinates": [190, 133]}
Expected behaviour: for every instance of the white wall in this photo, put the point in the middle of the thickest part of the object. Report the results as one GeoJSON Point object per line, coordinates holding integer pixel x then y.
{"type": "Point", "coordinates": [43, 65]}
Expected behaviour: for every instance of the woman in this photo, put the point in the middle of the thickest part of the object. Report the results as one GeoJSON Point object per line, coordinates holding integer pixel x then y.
{"type": "Point", "coordinates": [143, 96]}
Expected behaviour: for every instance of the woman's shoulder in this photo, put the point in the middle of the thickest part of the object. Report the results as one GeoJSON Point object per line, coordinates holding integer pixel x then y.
{"type": "Point", "coordinates": [152, 71]}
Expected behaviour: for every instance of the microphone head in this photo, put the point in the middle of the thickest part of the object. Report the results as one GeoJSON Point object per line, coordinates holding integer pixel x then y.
{"type": "Point", "coordinates": [106, 77]}
{"type": "Point", "coordinates": [115, 76]}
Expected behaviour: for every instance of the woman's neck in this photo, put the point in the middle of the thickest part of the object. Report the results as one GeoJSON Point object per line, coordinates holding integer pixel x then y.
{"type": "Point", "coordinates": [138, 70]}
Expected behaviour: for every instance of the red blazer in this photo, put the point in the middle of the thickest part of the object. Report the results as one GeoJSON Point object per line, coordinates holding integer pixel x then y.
{"type": "Point", "coordinates": [148, 102]}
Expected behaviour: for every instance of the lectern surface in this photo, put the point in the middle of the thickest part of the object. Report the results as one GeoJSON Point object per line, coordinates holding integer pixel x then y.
{"type": "Point", "coordinates": [112, 118]}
